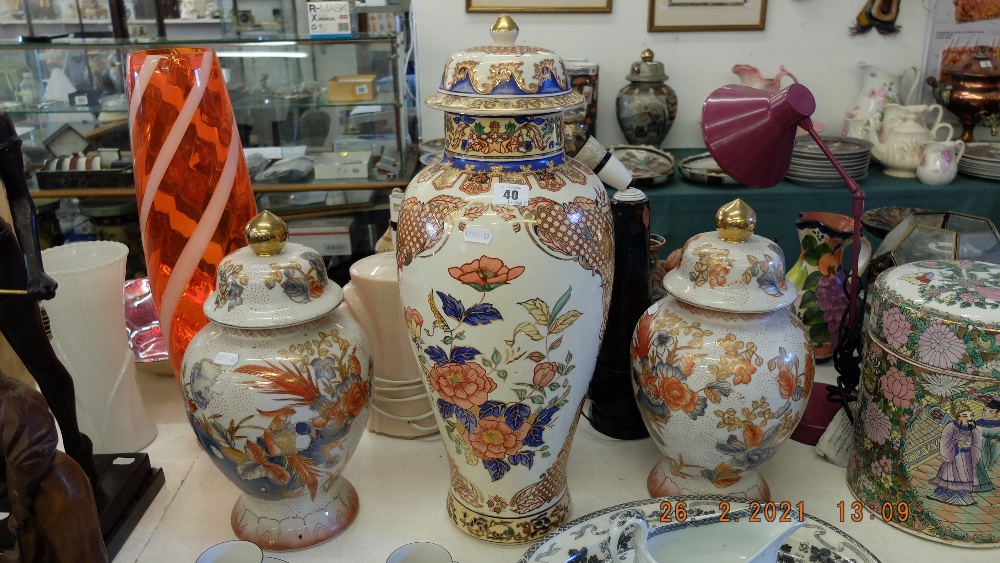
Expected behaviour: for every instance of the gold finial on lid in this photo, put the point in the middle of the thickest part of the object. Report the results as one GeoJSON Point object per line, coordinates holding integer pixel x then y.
{"type": "Point", "coordinates": [504, 31]}
{"type": "Point", "coordinates": [267, 234]}
{"type": "Point", "coordinates": [647, 56]}
{"type": "Point", "coordinates": [735, 221]}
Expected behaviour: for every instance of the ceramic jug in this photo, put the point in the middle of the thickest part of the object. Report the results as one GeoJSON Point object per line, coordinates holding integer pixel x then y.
{"type": "Point", "coordinates": [750, 76]}
{"type": "Point", "coordinates": [400, 406]}
{"type": "Point", "coordinates": [276, 388]}
{"type": "Point", "coordinates": [721, 366]}
{"type": "Point", "coordinates": [856, 127]}
{"type": "Point", "coordinates": [939, 162]}
{"type": "Point", "coordinates": [897, 141]}
{"type": "Point", "coordinates": [880, 87]}
{"type": "Point", "coordinates": [818, 274]}
{"type": "Point", "coordinates": [505, 250]}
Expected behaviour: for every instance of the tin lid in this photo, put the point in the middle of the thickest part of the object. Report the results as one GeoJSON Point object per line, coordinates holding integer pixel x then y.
{"type": "Point", "coordinates": [647, 70]}
{"type": "Point", "coordinates": [504, 79]}
{"type": "Point", "coordinates": [271, 282]}
{"type": "Point", "coordinates": [942, 313]}
{"type": "Point", "coordinates": [732, 269]}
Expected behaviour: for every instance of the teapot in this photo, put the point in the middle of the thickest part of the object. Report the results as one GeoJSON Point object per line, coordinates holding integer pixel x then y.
{"type": "Point", "coordinates": [896, 143]}
{"type": "Point", "coordinates": [878, 88]}
{"type": "Point", "coordinates": [971, 92]}
{"type": "Point", "coordinates": [750, 76]}
{"type": "Point", "coordinates": [697, 538]}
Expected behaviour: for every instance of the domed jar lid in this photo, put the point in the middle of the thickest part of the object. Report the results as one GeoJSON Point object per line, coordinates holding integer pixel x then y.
{"type": "Point", "coordinates": [732, 269]}
{"type": "Point", "coordinates": [504, 79]}
{"type": "Point", "coordinates": [647, 70]}
{"type": "Point", "coordinates": [979, 64]}
{"type": "Point", "coordinates": [271, 283]}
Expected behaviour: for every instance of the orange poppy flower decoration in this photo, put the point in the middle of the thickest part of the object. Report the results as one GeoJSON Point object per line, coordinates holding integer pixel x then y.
{"type": "Point", "coordinates": [485, 273]}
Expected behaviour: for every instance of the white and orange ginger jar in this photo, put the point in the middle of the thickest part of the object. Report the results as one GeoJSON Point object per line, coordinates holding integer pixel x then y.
{"type": "Point", "coordinates": [721, 366]}
{"type": "Point", "coordinates": [277, 388]}
{"type": "Point", "coordinates": [506, 257]}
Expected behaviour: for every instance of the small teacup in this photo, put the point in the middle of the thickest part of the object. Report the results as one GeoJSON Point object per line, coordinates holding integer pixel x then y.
{"type": "Point", "coordinates": [236, 551]}
{"type": "Point", "coordinates": [420, 552]}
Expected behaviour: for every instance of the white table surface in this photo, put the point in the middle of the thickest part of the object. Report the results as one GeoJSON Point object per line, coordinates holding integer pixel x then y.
{"type": "Point", "coordinates": [402, 486]}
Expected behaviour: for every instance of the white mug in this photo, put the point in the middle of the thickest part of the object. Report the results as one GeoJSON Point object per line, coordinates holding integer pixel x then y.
{"type": "Point", "coordinates": [236, 551]}
{"type": "Point", "coordinates": [420, 552]}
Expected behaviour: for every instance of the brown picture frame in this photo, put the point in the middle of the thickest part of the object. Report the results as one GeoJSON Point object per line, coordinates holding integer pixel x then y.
{"type": "Point", "coordinates": [512, 6]}
{"type": "Point", "coordinates": [707, 15]}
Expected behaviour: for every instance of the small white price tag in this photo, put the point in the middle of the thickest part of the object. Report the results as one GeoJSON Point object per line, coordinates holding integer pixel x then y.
{"type": "Point", "coordinates": [986, 64]}
{"type": "Point", "coordinates": [227, 358]}
{"type": "Point", "coordinates": [81, 100]}
{"type": "Point", "coordinates": [122, 461]}
{"type": "Point", "coordinates": [480, 235]}
{"type": "Point", "coordinates": [361, 89]}
{"type": "Point", "coordinates": [510, 194]}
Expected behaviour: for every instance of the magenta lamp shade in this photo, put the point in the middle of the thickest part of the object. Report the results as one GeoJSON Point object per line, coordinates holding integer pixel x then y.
{"type": "Point", "coordinates": [750, 132]}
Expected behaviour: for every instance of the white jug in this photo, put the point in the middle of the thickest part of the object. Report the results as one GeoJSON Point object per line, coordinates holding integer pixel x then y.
{"type": "Point", "coordinates": [939, 162]}
{"type": "Point", "coordinates": [880, 87]}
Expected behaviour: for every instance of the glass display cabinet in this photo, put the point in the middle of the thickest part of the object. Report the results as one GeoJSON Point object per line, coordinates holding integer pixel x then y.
{"type": "Point", "coordinates": [288, 94]}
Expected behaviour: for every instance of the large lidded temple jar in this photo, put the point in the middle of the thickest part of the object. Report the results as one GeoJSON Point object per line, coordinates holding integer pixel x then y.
{"type": "Point", "coordinates": [721, 366]}
{"type": "Point", "coordinates": [506, 259]}
{"type": "Point", "coordinates": [277, 388]}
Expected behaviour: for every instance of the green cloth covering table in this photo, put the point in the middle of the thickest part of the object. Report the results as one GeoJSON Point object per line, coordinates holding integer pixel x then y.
{"type": "Point", "coordinates": [681, 208]}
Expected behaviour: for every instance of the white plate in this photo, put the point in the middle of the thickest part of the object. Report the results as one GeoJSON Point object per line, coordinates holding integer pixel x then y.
{"type": "Point", "coordinates": [703, 169]}
{"type": "Point", "coordinates": [585, 540]}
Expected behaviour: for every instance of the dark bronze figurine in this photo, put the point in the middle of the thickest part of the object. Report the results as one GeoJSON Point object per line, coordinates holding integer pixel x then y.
{"type": "Point", "coordinates": [53, 513]}
{"type": "Point", "coordinates": [20, 318]}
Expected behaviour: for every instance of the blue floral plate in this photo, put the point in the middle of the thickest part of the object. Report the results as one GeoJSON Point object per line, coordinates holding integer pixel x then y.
{"type": "Point", "coordinates": [585, 540]}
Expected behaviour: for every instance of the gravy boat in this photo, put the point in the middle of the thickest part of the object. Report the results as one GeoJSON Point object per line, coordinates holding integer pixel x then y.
{"type": "Point", "coordinates": [705, 538]}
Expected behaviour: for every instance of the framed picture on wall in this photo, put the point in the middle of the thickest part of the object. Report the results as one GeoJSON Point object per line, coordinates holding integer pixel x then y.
{"type": "Point", "coordinates": [706, 15]}
{"type": "Point", "coordinates": [537, 6]}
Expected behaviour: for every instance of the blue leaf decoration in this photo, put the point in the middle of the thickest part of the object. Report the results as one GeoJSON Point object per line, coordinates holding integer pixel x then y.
{"type": "Point", "coordinates": [492, 408]}
{"type": "Point", "coordinates": [515, 415]}
{"type": "Point", "coordinates": [526, 459]}
{"type": "Point", "coordinates": [467, 418]}
{"type": "Point", "coordinates": [437, 354]}
{"type": "Point", "coordinates": [452, 307]}
{"type": "Point", "coordinates": [498, 468]}
{"type": "Point", "coordinates": [445, 408]}
{"type": "Point", "coordinates": [481, 314]}
{"type": "Point", "coordinates": [297, 290]}
{"type": "Point", "coordinates": [545, 415]}
{"type": "Point", "coordinates": [723, 387]}
{"type": "Point", "coordinates": [733, 445]}
{"type": "Point", "coordinates": [462, 354]}
{"type": "Point", "coordinates": [534, 438]}
{"type": "Point", "coordinates": [699, 408]}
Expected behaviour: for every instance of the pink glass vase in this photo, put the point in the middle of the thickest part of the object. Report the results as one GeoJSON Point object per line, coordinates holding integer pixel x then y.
{"type": "Point", "coordinates": [191, 181]}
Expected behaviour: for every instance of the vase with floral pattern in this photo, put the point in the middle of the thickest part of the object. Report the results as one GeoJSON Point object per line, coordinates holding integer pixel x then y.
{"type": "Point", "coordinates": [506, 258]}
{"type": "Point", "coordinates": [926, 448]}
{"type": "Point", "coordinates": [721, 366]}
{"type": "Point", "coordinates": [822, 297]}
{"type": "Point", "coordinates": [277, 388]}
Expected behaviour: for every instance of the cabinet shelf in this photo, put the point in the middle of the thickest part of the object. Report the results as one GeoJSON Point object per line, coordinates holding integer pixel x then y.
{"type": "Point", "coordinates": [282, 104]}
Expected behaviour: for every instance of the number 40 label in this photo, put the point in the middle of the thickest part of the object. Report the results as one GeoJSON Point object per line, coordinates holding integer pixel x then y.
{"type": "Point", "coordinates": [510, 194]}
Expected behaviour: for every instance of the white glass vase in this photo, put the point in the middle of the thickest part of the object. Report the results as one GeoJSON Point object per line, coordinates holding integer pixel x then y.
{"type": "Point", "coordinates": [87, 320]}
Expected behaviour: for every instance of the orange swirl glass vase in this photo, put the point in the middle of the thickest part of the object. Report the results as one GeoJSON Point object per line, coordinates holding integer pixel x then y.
{"type": "Point", "coordinates": [191, 181]}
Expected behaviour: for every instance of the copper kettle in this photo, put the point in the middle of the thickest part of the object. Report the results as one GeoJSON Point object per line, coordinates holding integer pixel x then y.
{"type": "Point", "coordinates": [971, 91]}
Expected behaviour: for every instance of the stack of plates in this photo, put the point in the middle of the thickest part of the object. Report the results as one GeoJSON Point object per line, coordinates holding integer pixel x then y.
{"type": "Point", "coordinates": [431, 151]}
{"type": "Point", "coordinates": [981, 160]}
{"type": "Point", "coordinates": [810, 167]}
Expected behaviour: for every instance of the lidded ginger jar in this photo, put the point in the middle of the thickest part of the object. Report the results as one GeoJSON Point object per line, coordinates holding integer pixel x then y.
{"type": "Point", "coordinates": [277, 388]}
{"type": "Point", "coordinates": [506, 257]}
{"type": "Point", "coordinates": [721, 366]}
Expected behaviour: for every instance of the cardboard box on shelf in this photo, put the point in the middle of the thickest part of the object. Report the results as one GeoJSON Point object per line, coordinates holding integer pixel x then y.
{"type": "Point", "coordinates": [343, 165]}
{"type": "Point", "coordinates": [376, 143]}
{"type": "Point", "coordinates": [351, 88]}
{"type": "Point", "coordinates": [330, 236]}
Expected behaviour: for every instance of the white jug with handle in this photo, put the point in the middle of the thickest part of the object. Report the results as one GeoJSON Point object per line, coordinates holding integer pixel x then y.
{"type": "Point", "coordinates": [880, 87]}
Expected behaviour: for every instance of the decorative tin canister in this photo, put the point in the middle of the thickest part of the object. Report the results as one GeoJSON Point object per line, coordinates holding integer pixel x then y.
{"type": "Point", "coordinates": [277, 388]}
{"type": "Point", "coordinates": [506, 258]}
{"type": "Point", "coordinates": [927, 438]}
{"type": "Point", "coordinates": [721, 366]}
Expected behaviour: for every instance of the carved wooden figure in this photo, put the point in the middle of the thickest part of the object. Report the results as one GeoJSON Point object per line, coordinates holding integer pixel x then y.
{"type": "Point", "coordinates": [20, 319]}
{"type": "Point", "coordinates": [53, 513]}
